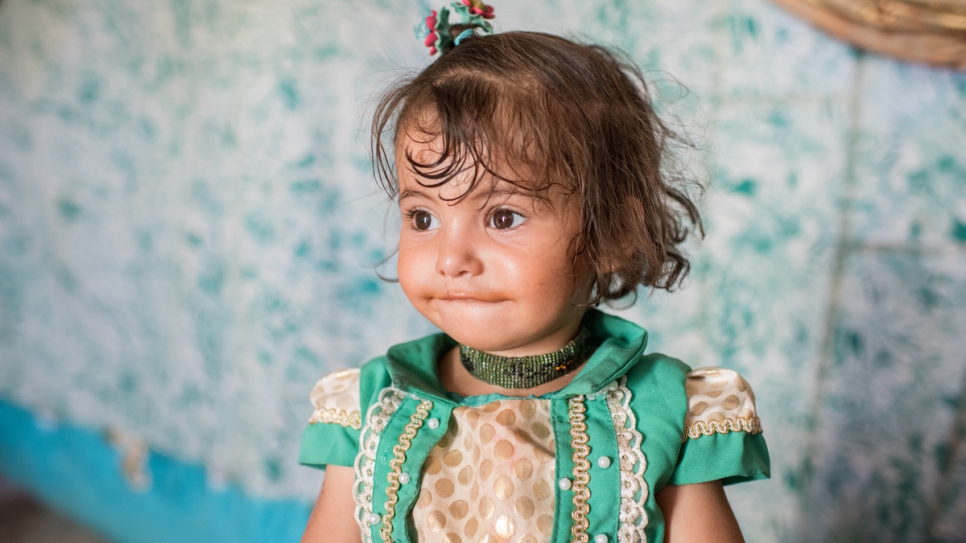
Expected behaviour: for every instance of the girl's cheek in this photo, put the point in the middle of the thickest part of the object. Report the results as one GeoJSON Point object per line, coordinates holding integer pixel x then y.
{"type": "Point", "coordinates": [416, 268]}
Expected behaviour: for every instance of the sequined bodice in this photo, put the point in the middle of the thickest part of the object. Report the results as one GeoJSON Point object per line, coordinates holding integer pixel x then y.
{"type": "Point", "coordinates": [489, 478]}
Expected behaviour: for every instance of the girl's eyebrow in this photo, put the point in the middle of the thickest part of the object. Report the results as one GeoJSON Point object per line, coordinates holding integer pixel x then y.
{"type": "Point", "coordinates": [480, 195]}
{"type": "Point", "coordinates": [508, 192]}
{"type": "Point", "coordinates": [410, 193]}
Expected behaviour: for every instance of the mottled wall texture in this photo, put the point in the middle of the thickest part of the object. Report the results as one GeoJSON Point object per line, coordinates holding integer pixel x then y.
{"type": "Point", "coordinates": [190, 233]}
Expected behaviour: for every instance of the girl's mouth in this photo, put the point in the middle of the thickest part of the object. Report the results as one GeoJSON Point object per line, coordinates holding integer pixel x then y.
{"type": "Point", "coordinates": [468, 297]}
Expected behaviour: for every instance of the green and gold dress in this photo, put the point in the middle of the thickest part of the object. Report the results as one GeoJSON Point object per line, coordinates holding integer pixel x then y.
{"type": "Point", "coordinates": [580, 464]}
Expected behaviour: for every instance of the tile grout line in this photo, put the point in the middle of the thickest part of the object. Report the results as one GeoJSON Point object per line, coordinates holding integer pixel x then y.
{"type": "Point", "coordinates": [945, 487]}
{"type": "Point", "coordinates": [719, 36]}
{"type": "Point", "coordinates": [842, 251]}
{"type": "Point", "coordinates": [922, 250]}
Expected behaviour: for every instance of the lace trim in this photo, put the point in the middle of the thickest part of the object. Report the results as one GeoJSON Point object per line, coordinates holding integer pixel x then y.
{"type": "Point", "coordinates": [395, 466]}
{"type": "Point", "coordinates": [376, 419]}
{"type": "Point", "coordinates": [633, 464]}
{"type": "Point", "coordinates": [699, 428]}
{"type": "Point", "coordinates": [332, 415]}
{"type": "Point", "coordinates": [581, 493]}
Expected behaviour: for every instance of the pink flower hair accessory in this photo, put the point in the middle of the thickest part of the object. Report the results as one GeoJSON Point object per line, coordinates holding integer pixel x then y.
{"type": "Point", "coordinates": [436, 30]}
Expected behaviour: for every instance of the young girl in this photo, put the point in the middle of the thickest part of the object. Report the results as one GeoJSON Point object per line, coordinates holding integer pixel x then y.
{"type": "Point", "coordinates": [528, 170]}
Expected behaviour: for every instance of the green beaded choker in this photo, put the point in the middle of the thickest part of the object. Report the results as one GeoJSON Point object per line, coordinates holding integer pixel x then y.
{"type": "Point", "coordinates": [524, 371]}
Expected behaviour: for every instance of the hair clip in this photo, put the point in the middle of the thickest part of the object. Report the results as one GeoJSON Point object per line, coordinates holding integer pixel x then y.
{"type": "Point", "coordinates": [435, 29]}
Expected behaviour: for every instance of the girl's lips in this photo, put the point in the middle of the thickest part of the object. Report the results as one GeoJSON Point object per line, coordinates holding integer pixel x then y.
{"type": "Point", "coordinates": [467, 297]}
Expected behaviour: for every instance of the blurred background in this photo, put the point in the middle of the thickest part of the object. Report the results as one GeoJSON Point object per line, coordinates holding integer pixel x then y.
{"type": "Point", "coordinates": [190, 233]}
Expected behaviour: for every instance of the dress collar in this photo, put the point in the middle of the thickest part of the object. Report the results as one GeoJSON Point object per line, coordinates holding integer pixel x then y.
{"type": "Point", "coordinates": [412, 365]}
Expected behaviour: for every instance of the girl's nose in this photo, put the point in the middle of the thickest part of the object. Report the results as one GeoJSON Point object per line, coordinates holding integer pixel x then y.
{"type": "Point", "coordinates": [457, 254]}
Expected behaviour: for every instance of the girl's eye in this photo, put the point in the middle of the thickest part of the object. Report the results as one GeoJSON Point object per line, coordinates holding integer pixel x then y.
{"type": "Point", "coordinates": [504, 219]}
{"type": "Point", "coordinates": [423, 220]}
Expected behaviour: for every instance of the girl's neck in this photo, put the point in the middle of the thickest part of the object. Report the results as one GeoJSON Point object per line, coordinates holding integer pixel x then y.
{"type": "Point", "coordinates": [454, 378]}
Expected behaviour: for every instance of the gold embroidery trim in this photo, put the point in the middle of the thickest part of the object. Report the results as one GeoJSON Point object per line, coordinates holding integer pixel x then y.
{"type": "Point", "coordinates": [578, 441]}
{"type": "Point", "coordinates": [332, 415]}
{"type": "Point", "coordinates": [395, 465]}
{"type": "Point", "coordinates": [701, 428]}
{"type": "Point", "coordinates": [377, 418]}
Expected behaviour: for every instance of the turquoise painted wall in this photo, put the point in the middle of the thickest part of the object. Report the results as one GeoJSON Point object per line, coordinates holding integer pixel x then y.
{"type": "Point", "coordinates": [188, 231]}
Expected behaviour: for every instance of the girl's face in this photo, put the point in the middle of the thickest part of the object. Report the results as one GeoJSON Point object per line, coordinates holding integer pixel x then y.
{"type": "Point", "coordinates": [494, 270]}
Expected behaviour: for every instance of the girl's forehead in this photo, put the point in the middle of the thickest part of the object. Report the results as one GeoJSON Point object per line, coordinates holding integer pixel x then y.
{"type": "Point", "coordinates": [423, 159]}
{"type": "Point", "coordinates": [462, 187]}
{"type": "Point", "coordinates": [419, 145]}
{"type": "Point", "coordinates": [425, 141]}
{"type": "Point", "coordinates": [453, 171]}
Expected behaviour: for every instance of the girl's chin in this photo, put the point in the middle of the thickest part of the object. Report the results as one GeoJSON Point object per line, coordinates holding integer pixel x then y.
{"type": "Point", "coordinates": [484, 336]}
{"type": "Point", "coordinates": [473, 318]}
{"type": "Point", "coordinates": [494, 328]}
{"type": "Point", "coordinates": [502, 340]}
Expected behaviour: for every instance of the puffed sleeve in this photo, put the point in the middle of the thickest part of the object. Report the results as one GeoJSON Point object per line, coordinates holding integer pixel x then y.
{"type": "Point", "coordinates": [332, 436]}
{"type": "Point", "coordinates": [722, 433]}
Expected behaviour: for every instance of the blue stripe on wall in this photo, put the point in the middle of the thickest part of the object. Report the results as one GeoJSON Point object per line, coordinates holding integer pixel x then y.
{"type": "Point", "coordinates": [77, 471]}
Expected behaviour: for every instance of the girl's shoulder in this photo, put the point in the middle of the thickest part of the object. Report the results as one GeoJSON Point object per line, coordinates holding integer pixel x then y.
{"type": "Point", "coordinates": [719, 401]}
{"type": "Point", "coordinates": [656, 377]}
{"type": "Point", "coordinates": [703, 422]}
{"type": "Point", "coordinates": [336, 399]}
{"type": "Point", "coordinates": [712, 399]}
{"type": "Point", "coordinates": [342, 396]}
{"type": "Point", "coordinates": [709, 383]}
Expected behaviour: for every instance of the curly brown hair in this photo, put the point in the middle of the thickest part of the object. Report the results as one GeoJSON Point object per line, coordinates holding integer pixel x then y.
{"type": "Point", "coordinates": [576, 115]}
